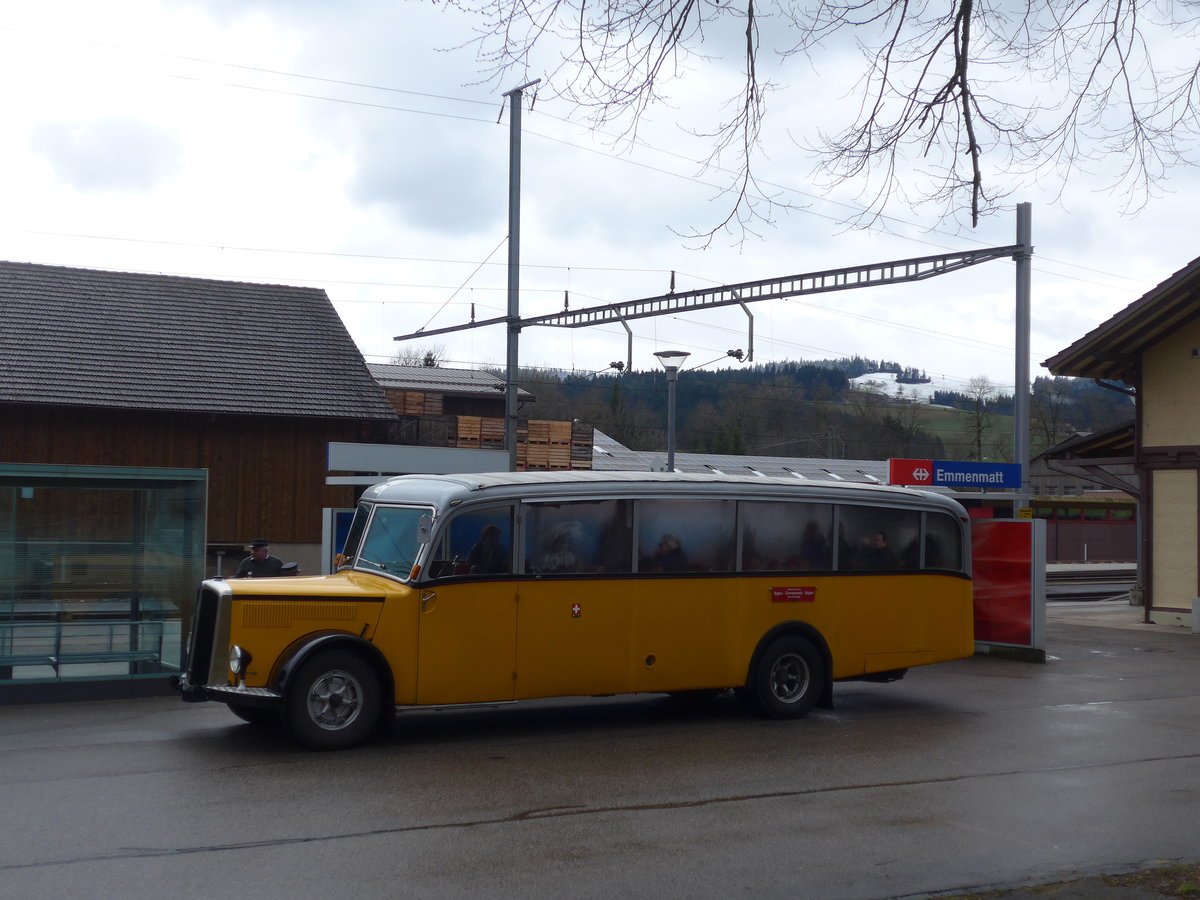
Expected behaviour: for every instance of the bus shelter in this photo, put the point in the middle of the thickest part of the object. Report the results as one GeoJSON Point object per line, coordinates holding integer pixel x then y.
{"type": "Point", "coordinates": [98, 566]}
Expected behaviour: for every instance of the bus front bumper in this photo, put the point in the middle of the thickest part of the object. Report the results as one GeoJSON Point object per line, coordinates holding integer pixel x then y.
{"type": "Point", "coordinates": [226, 693]}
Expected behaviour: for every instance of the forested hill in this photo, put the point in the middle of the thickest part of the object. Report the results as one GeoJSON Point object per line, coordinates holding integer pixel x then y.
{"type": "Point", "coordinates": [809, 409]}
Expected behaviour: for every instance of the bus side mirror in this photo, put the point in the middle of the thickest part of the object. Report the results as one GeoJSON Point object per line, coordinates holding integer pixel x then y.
{"type": "Point", "coordinates": [425, 529]}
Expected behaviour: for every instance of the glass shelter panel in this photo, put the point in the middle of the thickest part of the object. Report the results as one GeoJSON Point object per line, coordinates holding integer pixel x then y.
{"type": "Point", "coordinates": [98, 567]}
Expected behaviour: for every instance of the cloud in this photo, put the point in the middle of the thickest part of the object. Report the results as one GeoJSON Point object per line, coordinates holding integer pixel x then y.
{"type": "Point", "coordinates": [113, 154]}
{"type": "Point", "coordinates": [430, 177]}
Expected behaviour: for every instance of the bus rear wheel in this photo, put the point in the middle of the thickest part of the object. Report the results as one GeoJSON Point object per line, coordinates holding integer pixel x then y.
{"type": "Point", "coordinates": [334, 701]}
{"type": "Point", "coordinates": [788, 679]}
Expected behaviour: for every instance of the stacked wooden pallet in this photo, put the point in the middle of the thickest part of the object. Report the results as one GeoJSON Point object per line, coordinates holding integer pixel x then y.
{"type": "Point", "coordinates": [415, 403]}
{"type": "Point", "coordinates": [549, 445]}
{"type": "Point", "coordinates": [541, 444]}
{"type": "Point", "coordinates": [467, 434]}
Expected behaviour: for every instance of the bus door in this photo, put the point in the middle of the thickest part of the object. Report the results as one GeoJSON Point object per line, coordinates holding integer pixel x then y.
{"type": "Point", "coordinates": [575, 618]}
{"type": "Point", "coordinates": [883, 608]}
{"type": "Point", "coordinates": [687, 610]}
{"type": "Point", "coordinates": [467, 623]}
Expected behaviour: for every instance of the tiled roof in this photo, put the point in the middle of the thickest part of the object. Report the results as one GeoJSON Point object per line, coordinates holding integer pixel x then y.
{"type": "Point", "coordinates": [460, 382]}
{"type": "Point", "coordinates": [81, 337]}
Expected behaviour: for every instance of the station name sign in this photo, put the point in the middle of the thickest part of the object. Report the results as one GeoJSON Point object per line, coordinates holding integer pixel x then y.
{"type": "Point", "coordinates": [953, 473]}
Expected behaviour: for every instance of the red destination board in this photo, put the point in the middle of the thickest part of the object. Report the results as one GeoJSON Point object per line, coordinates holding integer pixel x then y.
{"type": "Point", "coordinates": [793, 594]}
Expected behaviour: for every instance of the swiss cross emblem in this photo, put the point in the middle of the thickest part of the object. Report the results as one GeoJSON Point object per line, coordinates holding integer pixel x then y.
{"type": "Point", "coordinates": [920, 474]}
{"type": "Point", "coordinates": [576, 610]}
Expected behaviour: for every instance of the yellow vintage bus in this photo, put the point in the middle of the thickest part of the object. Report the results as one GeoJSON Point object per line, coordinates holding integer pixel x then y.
{"type": "Point", "coordinates": [481, 589]}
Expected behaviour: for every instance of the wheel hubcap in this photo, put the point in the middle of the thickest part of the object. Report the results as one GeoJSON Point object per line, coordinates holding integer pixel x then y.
{"type": "Point", "coordinates": [789, 678]}
{"type": "Point", "coordinates": [335, 700]}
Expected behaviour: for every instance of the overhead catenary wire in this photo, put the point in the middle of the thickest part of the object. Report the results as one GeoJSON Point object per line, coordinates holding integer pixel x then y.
{"type": "Point", "coordinates": [439, 98]}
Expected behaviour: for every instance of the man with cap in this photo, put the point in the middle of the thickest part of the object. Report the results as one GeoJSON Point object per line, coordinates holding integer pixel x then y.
{"type": "Point", "coordinates": [260, 563]}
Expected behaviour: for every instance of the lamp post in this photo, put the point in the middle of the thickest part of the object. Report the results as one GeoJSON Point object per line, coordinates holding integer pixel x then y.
{"type": "Point", "coordinates": [671, 360]}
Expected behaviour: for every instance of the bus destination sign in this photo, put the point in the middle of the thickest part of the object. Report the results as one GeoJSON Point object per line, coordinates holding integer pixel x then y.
{"type": "Point", "coordinates": [953, 473]}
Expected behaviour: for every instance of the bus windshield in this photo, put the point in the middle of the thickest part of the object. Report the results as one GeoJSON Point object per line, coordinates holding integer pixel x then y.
{"type": "Point", "coordinates": [391, 541]}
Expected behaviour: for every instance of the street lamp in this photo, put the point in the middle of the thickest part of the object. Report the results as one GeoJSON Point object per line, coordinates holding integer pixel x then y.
{"type": "Point", "coordinates": [671, 360]}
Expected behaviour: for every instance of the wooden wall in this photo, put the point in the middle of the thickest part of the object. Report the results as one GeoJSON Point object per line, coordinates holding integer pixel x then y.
{"type": "Point", "coordinates": [266, 475]}
{"type": "Point", "coordinates": [1091, 541]}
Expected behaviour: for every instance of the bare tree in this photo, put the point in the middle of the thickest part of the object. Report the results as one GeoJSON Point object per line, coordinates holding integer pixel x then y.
{"type": "Point", "coordinates": [906, 419]}
{"type": "Point", "coordinates": [1049, 405]}
{"type": "Point", "coordinates": [982, 396]}
{"type": "Point", "coordinates": [951, 93]}
{"type": "Point", "coordinates": [432, 355]}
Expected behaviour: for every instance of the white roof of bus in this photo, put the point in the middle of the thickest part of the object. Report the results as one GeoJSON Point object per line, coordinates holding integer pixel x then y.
{"type": "Point", "coordinates": [543, 485]}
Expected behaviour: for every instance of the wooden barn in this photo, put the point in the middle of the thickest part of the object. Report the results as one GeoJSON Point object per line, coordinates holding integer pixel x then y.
{"type": "Point", "coordinates": [248, 381]}
{"type": "Point", "coordinates": [111, 377]}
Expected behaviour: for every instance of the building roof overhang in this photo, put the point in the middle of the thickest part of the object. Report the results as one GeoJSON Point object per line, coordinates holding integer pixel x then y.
{"type": "Point", "coordinates": [1106, 457]}
{"type": "Point", "coordinates": [1112, 351]}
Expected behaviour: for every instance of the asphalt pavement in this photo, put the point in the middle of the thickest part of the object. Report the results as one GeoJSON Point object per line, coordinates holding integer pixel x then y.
{"type": "Point", "coordinates": [1111, 884]}
{"type": "Point", "coordinates": [979, 778]}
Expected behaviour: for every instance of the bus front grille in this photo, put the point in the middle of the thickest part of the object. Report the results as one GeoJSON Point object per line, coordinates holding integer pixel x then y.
{"type": "Point", "coordinates": [202, 640]}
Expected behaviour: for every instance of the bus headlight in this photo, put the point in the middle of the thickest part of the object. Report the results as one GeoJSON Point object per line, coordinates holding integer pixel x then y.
{"type": "Point", "coordinates": [239, 660]}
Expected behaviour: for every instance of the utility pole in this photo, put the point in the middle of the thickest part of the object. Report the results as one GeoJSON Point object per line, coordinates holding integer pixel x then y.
{"type": "Point", "coordinates": [1021, 401]}
{"type": "Point", "coordinates": [514, 270]}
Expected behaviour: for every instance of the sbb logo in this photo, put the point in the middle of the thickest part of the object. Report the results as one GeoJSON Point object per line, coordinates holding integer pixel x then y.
{"type": "Point", "coordinates": [910, 471]}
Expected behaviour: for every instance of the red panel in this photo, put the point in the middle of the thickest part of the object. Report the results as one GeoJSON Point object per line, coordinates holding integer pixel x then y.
{"type": "Point", "coordinates": [1002, 568]}
{"type": "Point", "coordinates": [917, 472]}
{"type": "Point", "coordinates": [793, 594]}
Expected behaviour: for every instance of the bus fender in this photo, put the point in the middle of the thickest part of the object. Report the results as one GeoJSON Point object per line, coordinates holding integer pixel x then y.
{"type": "Point", "coordinates": [807, 631]}
{"type": "Point", "coordinates": [295, 655]}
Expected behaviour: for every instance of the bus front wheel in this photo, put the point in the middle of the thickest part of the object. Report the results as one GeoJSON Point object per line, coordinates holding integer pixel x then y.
{"type": "Point", "coordinates": [334, 701]}
{"type": "Point", "coordinates": [788, 680]}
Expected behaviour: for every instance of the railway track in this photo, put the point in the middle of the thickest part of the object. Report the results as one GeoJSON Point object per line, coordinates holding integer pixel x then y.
{"type": "Point", "coordinates": [1086, 583]}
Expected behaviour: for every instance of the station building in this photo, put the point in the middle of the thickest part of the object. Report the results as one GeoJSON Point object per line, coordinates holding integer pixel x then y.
{"type": "Point", "coordinates": [1152, 347]}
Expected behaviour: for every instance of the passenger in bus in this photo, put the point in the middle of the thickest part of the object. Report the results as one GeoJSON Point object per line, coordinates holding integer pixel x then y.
{"type": "Point", "coordinates": [814, 550]}
{"type": "Point", "coordinates": [489, 556]}
{"type": "Point", "coordinates": [874, 552]}
{"type": "Point", "coordinates": [559, 548]}
{"type": "Point", "coordinates": [669, 557]}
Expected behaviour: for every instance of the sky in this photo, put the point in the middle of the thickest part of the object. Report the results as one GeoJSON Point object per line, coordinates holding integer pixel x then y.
{"type": "Point", "coordinates": [357, 147]}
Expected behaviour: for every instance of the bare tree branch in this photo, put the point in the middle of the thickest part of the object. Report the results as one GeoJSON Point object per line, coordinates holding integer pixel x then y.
{"type": "Point", "coordinates": [961, 102]}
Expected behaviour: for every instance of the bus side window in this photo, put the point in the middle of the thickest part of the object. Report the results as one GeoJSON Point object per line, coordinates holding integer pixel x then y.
{"type": "Point", "coordinates": [943, 542]}
{"type": "Point", "coordinates": [686, 535]}
{"type": "Point", "coordinates": [476, 542]}
{"type": "Point", "coordinates": [786, 537]}
{"type": "Point", "coordinates": [878, 539]}
{"type": "Point", "coordinates": [578, 537]}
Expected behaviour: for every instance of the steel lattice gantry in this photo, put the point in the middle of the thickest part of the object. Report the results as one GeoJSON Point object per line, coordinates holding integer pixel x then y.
{"type": "Point", "coordinates": [849, 278]}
